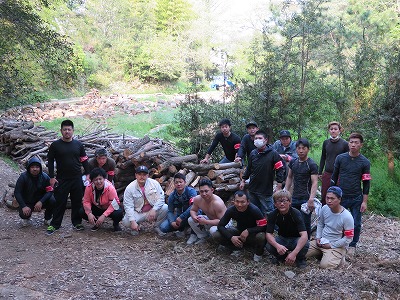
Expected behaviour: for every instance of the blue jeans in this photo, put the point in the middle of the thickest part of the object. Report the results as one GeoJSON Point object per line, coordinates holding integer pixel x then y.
{"type": "Point", "coordinates": [290, 243]}
{"type": "Point", "coordinates": [224, 160]}
{"type": "Point", "coordinates": [296, 203]}
{"type": "Point", "coordinates": [264, 203]}
{"type": "Point", "coordinates": [166, 225]}
{"type": "Point", "coordinates": [354, 205]}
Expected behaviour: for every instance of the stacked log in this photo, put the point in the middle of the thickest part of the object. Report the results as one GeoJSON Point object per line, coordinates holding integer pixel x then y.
{"type": "Point", "coordinates": [92, 105]}
{"type": "Point", "coordinates": [22, 139]}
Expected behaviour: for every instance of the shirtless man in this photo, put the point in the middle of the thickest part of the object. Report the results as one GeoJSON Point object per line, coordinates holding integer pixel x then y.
{"type": "Point", "coordinates": [212, 209]}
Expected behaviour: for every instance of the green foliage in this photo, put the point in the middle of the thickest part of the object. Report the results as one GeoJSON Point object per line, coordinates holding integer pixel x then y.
{"type": "Point", "coordinates": [10, 162]}
{"type": "Point", "coordinates": [195, 124]}
{"type": "Point", "coordinates": [154, 124]}
{"type": "Point", "coordinates": [172, 16]}
{"type": "Point", "coordinates": [384, 190]}
{"type": "Point", "coordinates": [32, 55]}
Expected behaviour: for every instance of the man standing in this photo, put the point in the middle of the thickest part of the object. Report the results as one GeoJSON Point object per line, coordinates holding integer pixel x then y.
{"type": "Point", "coordinates": [212, 209]}
{"type": "Point", "coordinates": [291, 244]}
{"type": "Point", "coordinates": [303, 173]}
{"type": "Point", "coordinates": [352, 168]}
{"type": "Point", "coordinates": [33, 192]}
{"type": "Point", "coordinates": [178, 206]}
{"type": "Point", "coordinates": [285, 146]}
{"type": "Point", "coordinates": [101, 160]}
{"type": "Point", "coordinates": [249, 230]}
{"type": "Point", "coordinates": [144, 201]}
{"type": "Point", "coordinates": [247, 143]}
{"type": "Point", "coordinates": [264, 163]}
{"type": "Point", "coordinates": [230, 143]}
{"type": "Point", "coordinates": [331, 148]}
{"type": "Point", "coordinates": [335, 231]}
{"type": "Point", "coordinates": [70, 156]}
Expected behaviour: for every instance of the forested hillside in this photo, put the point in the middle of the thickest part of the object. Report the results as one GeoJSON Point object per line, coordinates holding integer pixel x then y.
{"type": "Point", "coordinates": [296, 64]}
{"type": "Point", "coordinates": [97, 43]}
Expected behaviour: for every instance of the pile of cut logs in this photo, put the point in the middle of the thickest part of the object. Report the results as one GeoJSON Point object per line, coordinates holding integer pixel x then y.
{"type": "Point", "coordinates": [22, 139]}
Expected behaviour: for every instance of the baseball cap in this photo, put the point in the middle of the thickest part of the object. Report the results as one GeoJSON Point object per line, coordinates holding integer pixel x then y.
{"type": "Point", "coordinates": [100, 152]}
{"type": "Point", "coordinates": [336, 190]}
{"type": "Point", "coordinates": [284, 133]}
{"type": "Point", "coordinates": [251, 123]}
{"type": "Point", "coordinates": [142, 169]}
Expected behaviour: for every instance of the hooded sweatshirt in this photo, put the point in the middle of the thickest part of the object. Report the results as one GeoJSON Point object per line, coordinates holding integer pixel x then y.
{"type": "Point", "coordinates": [30, 189]}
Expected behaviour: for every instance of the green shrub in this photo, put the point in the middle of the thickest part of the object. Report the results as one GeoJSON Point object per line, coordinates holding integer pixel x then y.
{"type": "Point", "coordinates": [384, 191]}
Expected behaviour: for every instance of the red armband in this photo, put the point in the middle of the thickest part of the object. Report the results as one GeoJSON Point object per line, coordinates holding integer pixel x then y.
{"type": "Point", "coordinates": [111, 173]}
{"type": "Point", "coordinates": [262, 222]}
{"type": "Point", "coordinates": [278, 165]}
{"type": "Point", "coordinates": [49, 188]}
{"type": "Point", "coordinates": [191, 200]}
{"type": "Point", "coordinates": [366, 177]}
{"type": "Point", "coordinates": [349, 233]}
{"type": "Point", "coordinates": [236, 146]}
{"type": "Point", "coordinates": [83, 158]}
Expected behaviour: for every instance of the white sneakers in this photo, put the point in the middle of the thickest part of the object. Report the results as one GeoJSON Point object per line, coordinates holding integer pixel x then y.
{"type": "Point", "coordinates": [257, 258]}
{"type": "Point", "coordinates": [159, 231]}
{"type": "Point", "coordinates": [26, 222]}
{"type": "Point", "coordinates": [180, 234]}
{"type": "Point", "coordinates": [236, 253]}
{"type": "Point", "coordinates": [192, 239]}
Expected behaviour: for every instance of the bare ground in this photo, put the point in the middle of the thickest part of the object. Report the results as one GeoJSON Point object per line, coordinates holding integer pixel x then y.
{"type": "Point", "coordinates": [105, 265]}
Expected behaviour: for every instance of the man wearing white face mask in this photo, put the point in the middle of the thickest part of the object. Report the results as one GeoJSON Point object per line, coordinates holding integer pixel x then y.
{"type": "Point", "coordinates": [264, 166]}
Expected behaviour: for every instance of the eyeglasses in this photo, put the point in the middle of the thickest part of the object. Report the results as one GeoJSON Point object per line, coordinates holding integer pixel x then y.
{"type": "Point", "coordinates": [282, 201]}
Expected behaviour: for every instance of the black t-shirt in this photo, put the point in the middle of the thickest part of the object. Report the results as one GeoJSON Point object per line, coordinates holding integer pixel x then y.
{"type": "Point", "coordinates": [290, 225]}
{"type": "Point", "coordinates": [302, 171]}
{"type": "Point", "coordinates": [227, 143]}
{"type": "Point", "coordinates": [251, 219]}
{"type": "Point", "coordinates": [69, 156]}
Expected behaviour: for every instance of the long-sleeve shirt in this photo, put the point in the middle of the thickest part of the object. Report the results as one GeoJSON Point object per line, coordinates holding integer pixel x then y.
{"type": "Point", "coordinates": [229, 144]}
{"type": "Point", "coordinates": [108, 200]}
{"type": "Point", "coordinates": [179, 203]}
{"type": "Point", "coordinates": [263, 167]}
{"type": "Point", "coordinates": [337, 228]}
{"type": "Point", "coordinates": [251, 219]}
{"type": "Point", "coordinates": [246, 146]}
{"type": "Point", "coordinates": [331, 149]}
{"type": "Point", "coordinates": [134, 198]}
{"type": "Point", "coordinates": [30, 190]}
{"type": "Point", "coordinates": [70, 157]}
{"type": "Point", "coordinates": [350, 171]}
{"type": "Point", "coordinates": [290, 150]}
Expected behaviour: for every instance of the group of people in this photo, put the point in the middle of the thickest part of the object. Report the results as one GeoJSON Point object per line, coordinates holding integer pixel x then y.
{"type": "Point", "coordinates": [263, 217]}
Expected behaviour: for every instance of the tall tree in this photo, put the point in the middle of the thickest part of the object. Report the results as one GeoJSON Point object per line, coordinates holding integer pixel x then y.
{"type": "Point", "coordinates": [31, 54]}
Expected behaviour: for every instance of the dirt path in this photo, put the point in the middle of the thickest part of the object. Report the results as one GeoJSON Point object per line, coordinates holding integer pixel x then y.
{"type": "Point", "coordinates": [104, 265]}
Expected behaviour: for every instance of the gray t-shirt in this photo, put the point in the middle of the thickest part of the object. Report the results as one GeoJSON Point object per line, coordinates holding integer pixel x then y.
{"type": "Point", "coordinates": [337, 228]}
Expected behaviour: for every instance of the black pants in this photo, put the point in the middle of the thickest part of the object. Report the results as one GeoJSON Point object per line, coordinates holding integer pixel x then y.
{"type": "Point", "coordinates": [116, 215]}
{"type": "Point", "coordinates": [73, 188]}
{"type": "Point", "coordinates": [257, 241]}
{"type": "Point", "coordinates": [48, 205]}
